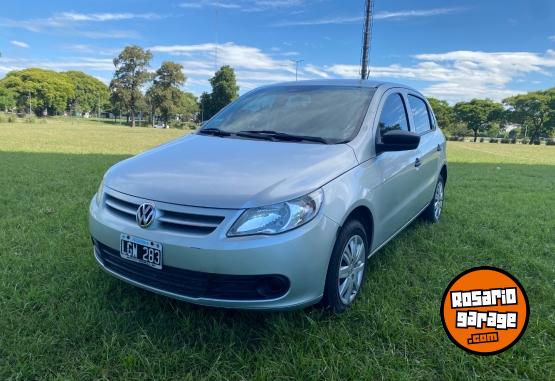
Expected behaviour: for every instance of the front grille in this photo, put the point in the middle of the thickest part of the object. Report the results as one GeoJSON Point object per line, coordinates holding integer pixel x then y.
{"type": "Point", "coordinates": [180, 222]}
{"type": "Point", "coordinates": [195, 284]}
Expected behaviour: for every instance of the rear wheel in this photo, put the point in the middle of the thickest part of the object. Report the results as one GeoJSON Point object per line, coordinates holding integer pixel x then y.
{"type": "Point", "coordinates": [347, 267]}
{"type": "Point", "coordinates": [433, 212]}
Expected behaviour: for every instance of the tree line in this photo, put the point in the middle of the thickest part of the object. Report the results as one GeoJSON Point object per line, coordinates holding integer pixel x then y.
{"type": "Point", "coordinates": [46, 92]}
{"type": "Point", "coordinates": [134, 90]}
{"type": "Point", "coordinates": [530, 116]}
{"type": "Point", "coordinates": [137, 90]}
{"type": "Point", "coordinates": [164, 97]}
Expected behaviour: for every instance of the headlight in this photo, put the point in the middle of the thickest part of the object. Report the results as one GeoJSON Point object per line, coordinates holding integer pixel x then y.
{"type": "Point", "coordinates": [100, 193]}
{"type": "Point", "coordinates": [278, 218]}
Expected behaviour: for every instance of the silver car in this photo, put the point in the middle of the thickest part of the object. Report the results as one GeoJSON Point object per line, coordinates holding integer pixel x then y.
{"type": "Point", "coordinates": [278, 201]}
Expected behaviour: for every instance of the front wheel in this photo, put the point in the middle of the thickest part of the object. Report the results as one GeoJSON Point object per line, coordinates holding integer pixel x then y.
{"type": "Point", "coordinates": [347, 267]}
{"type": "Point", "coordinates": [433, 212]}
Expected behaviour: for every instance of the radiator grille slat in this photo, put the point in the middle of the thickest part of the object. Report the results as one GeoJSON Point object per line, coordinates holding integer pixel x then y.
{"type": "Point", "coordinates": [119, 206]}
{"type": "Point", "coordinates": [179, 222]}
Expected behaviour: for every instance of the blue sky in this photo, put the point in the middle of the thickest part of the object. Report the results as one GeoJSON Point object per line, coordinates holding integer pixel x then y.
{"type": "Point", "coordinates": [452, 50]}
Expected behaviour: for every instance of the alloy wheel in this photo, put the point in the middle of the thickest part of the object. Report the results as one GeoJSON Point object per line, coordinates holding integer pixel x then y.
{"type": "Point", "coordinates": [438, 200]}
{"type": "Point", "coordinates": [351, 269]}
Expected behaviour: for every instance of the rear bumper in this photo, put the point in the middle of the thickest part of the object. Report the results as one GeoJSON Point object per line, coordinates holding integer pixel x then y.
{"type": "Point", "coordinates": [215, 270]}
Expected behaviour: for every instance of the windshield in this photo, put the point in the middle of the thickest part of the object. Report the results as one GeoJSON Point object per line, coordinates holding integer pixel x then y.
{"type": "Point", "coordinates": [333, 113]}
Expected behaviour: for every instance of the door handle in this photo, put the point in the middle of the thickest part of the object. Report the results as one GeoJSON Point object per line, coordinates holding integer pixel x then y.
{"type": "Point", "coordinates": [417, 162]}
{"type": "Point", "coordinates": [439, 148]}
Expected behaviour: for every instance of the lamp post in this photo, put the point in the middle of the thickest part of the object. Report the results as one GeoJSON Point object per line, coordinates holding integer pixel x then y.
{"type": "Point", "coordinates": [297, 63]}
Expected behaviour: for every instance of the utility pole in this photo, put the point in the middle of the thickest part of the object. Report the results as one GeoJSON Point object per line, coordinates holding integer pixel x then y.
{"type": "Point", "coordinates": [30, 108]}
{"type": "Point", "coordinates": [364, 71]}
{"type": "Point", "coordinates": [297, 63]}
{"type": "Point", "coordinates": [216, 29]}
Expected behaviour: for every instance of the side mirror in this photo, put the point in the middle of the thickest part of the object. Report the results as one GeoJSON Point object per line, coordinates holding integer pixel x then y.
{"type": "Point", "coordinates": [398, 140]}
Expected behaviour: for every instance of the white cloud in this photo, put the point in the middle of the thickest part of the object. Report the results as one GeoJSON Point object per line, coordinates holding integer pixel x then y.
{"type": "Point", "coordinates": [414, 13]}
{"type": "Point", "coordinates": [289, 54]}
{"type": "Point", "coordinates": [345, 71]}
{"type": "Point", "coordinates": [109, 34]}
{"type": "Point", "coordinates": [19, 44]}
{"type": "Point", "coordinates": [191, 5]}
{"type": "Point", "coordinates": [323, 21]}
{"type": "Point", "coordinates": [384, 15]}
{"type": "Point", "coordinates": [84, 48]}
{"type": "Point", "coordinates": [452, 75]}
{"type": "Point", "coordinates": [101, 17]}
{"type": "Point", "coordinates": [315, 70]}
{"type": "Point", "coordinates": [70, 25]}
{"type": "Point", "coordinates": [459, 75]}
{"type": "Point", "coordinates": [67, 20]}
{"type": "Point", "coordinates": [237, 56]}
{"type": "Point", "coordinates": [243, 5]}
{"type": "Point", "coordinates": [67, 63]}
{"type": "Point", "coordinates": [253, 66]}
{"type": "Point", "coordinates": [212, 4]}
{"type": "Point", "coordinates": [91, 49]}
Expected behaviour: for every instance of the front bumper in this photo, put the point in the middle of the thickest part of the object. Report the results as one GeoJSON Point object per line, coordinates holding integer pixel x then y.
{"type": "Point", "coordinates": [300, 256]}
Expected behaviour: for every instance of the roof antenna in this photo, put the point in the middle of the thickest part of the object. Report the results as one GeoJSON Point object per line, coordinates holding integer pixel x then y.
{"type": "Point", "coordinates": [366, 37]}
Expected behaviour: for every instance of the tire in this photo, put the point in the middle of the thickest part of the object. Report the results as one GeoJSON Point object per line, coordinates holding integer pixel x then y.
{"type": "Point", "coordinates": [337, 297]}
{"type": "Point", "coordinates": [433, 212]}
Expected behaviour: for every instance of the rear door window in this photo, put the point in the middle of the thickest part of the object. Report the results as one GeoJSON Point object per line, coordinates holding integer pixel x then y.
{"type": "Point", "coordinates": [420, 115]}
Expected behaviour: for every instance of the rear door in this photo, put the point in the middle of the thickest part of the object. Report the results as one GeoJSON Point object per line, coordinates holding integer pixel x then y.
{"type": "Point", "coordinates": [428, 153]}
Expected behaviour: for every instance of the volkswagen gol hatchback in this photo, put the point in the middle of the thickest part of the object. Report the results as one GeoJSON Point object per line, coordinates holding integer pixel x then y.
{"type": "Point", "coordinates": [278, 201]}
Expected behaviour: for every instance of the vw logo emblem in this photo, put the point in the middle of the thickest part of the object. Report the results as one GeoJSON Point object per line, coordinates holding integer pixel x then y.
{"type": "Point", "coordinates": [145, 215]}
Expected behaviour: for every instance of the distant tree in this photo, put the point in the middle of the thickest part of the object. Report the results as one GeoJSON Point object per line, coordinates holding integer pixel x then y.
{"type": "Point", "coordinates": [444, 113]}
{"type": "Point", "coordinates": [90, 94]}
{"type": "Point", "coordinates": [478, 114]}
{"type": "Point", "coordinates": [7, 99]}
{"type": "Point", "coordinates": [151, 102]}
{"type": "Point", "coordinates": [534, 111]}
{"type": "Point", "coordinates": [551, 122]}
{"type": "Point", "coordinates": [188, 106]}
{"type": "Point", "coordinates": [224, 91]}
{"type": "Point", "coordinates": [130, 75]}
{"type": "Point", "coordinates": [205, 107]}
{"type": "Point", "coordinates": [165, 95]}
{"type": "Point", "coordinates": [46, 91]}
{"type": "Point", "coordinates": [118, 100]}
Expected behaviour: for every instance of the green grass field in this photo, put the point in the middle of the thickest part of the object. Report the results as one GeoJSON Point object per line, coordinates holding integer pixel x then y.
{"type": "Point", "coordinates": [62, 317]}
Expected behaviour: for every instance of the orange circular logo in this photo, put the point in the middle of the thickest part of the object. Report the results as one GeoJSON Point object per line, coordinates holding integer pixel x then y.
{"type": "Point", "coordinates": [485, 310]}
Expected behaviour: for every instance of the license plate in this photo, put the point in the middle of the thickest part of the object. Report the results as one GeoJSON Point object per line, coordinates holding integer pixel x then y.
{"type": "Point", "coordinates": [141, 251]}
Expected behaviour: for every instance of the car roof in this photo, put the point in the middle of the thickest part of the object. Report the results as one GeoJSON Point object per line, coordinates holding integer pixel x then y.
{"type": "Point", "coordinates": [344, 82]}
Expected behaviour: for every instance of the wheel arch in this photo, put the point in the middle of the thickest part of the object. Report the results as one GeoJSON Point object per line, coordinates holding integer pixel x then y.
{"type": "Point", "coordinates": [443, 173]}
{"type": "Point", "coordinates": [365, 216]}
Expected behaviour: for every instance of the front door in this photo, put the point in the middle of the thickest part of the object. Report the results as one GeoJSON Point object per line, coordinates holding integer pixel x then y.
{"type": "Point", "coordinates": [396, 193]}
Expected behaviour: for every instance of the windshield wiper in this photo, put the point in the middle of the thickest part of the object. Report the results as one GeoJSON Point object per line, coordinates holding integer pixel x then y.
{"type": "Point", "coordinates": [275, 135]}
{"type": "Point", "coordinates": [214, 131]}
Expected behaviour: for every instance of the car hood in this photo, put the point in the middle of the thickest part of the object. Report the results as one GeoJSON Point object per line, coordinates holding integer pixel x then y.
{"type": "Point", "coordinates": [218, 172]}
